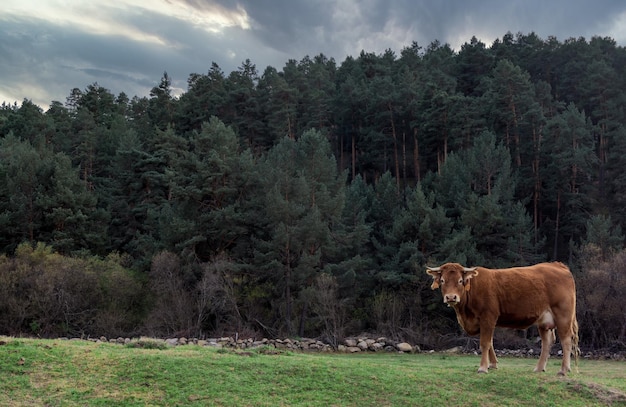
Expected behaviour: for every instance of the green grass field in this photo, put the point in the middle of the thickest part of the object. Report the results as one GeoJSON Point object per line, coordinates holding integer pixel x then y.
{"type": "Point", "coordinates": [81, 373]}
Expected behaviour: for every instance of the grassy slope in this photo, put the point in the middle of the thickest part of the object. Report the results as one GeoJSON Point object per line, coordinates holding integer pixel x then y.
{"type": "Point", "coordinates": [69, 373]}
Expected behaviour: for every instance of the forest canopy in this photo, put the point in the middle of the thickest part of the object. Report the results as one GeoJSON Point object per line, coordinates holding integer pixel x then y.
{"type": "Point", "coordinates": [308, 201]}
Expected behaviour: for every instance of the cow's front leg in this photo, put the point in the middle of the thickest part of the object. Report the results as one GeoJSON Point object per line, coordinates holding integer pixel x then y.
{"type": "Point", "coordinates": [493, 360]}
{"type": "Point", "coordinates": [486, 348]}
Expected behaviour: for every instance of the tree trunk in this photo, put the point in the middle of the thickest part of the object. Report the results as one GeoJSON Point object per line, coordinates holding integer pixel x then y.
{"type": "Point", "coordinates": [303, 319]}
{"type": "Point", "coordinates": [353, 155]}
{"type": "Point", "coordinates": [556, 227]}
{"type": "Point", "coordinates": [396, 159]}
{"type": "Point", "coordinates": [416, 156]}
{"type": "Point", "coordinates": [404, 156]}
{"type": "Point", "coordinates": [537, 186]}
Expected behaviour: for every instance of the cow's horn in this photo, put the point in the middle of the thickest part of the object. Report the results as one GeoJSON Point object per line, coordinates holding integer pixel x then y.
{"type": "Point", "coordinates": [433, 268]}
{"type": "Point", "coordinates": [468, 269]}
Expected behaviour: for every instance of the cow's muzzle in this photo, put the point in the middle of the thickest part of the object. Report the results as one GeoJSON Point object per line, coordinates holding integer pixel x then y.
{"type": "Point", "coordinates": [451, 299]}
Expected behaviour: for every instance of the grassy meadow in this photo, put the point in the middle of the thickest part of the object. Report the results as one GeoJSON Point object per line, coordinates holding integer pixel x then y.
{"type": "Point", "coordinates": [82, 373]}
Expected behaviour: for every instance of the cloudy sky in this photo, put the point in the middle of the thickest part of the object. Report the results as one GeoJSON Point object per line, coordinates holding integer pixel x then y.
{"type": "Point", "coordinates": [48, 47]}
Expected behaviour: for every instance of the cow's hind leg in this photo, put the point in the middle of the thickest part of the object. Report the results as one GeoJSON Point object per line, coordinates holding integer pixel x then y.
{"type": "Point", "coordinates": [547, 339]}
{"type": "Point", "coordinates": [566, 333]}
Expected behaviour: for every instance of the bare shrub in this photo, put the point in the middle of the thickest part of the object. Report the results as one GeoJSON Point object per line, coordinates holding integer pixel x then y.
{"type": "Point", "coordinates": [328, 307]}
{"type": "Point", "coordinates": [387, 309]}
{"type": "Point", "coordinates": [172, 312]}
{"type": "Point", "coordinates": [601, 286]}
{"type": "Point", "coordinates": [216, 301]}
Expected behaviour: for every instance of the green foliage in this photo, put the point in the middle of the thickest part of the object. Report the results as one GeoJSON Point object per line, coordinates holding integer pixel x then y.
{"type": "Point", "coordinates": [602, 233]}
{"type": "Point", "coordinates": [44, 199]}
{"type": "Point", "coordinates": [304, 201]}
{"type": "Point", "coordinates": [254, 195]}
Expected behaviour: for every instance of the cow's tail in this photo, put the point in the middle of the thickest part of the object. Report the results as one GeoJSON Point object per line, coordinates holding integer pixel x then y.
{"type": "Point", "coordinates": [575, 347]}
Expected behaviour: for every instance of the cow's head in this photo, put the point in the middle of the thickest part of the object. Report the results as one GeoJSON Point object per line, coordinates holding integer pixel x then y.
{"type": "Point", "coordinates": [454, 280]}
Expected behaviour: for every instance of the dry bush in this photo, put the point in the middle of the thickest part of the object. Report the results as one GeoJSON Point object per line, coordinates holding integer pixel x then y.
{"type": "Point", "coordinates": [328, 308]}
{"type": "Point", "coordinates": [47, 294]}
{"type": "Point", "coordinates": [215, 300]}
{"type": "Point", "coordinates": [601, 286]}
{"type": "Point", "coordinates": [172, 311]}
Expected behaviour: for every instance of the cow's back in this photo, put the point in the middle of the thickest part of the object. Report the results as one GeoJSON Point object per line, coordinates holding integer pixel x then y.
{"type": "Point", "coordinates": [520, 295]}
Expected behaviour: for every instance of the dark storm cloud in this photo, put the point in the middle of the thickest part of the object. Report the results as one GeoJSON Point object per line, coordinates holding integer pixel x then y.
{"type": "Point", "coordinates": [43, 54]}
{"type": "Point", "coordinates": [292, 25]}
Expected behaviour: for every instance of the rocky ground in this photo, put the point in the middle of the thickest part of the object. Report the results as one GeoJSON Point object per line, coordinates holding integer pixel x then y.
{"type": "Point", "coordinates": [348, 345]}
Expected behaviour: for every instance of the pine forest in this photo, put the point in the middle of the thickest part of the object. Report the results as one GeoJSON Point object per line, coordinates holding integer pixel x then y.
{"type": "Point", "coordinates": [308, 201]}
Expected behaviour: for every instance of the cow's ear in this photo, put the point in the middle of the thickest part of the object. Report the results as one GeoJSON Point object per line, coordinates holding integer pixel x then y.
{"type": "Point", "coordinates": [435, 273]}
{"type": "Point", "coordinates": [468, 274]}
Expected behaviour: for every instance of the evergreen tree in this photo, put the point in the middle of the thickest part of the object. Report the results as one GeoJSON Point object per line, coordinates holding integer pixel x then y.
{"type": "Point", "coordinates": [570, 142]}
{"type": "Point", "coordinates": [207, 96]}
{"type": "Point", "coordinates": [162, 104]}
{"type": "Point", "coordinates": [604, 236]}
{"type": "Point", "coordinates": [244, 113]}
{"type": "Point", "coordinates": [44, 200]}
{"type": "Point", "coordinates": [351, 259]}
{"type": "Point", "coordinates": [480, 188]}
{"type": "Point", "coordinates": [209, 185]}
{"type": "Point", "coordinates": [280, 107]}
{"type": "Point", "coordinates": [318, 92]}
{"type": "Point", "coordinates": [349, 107]}
{"type": "Point", "coordinates": [303, 204]}
{"type": "Point", "coordinates": [60, 121]}
{"type": "Point", "coordinates": [26, 122]}
{"type": "Point", "coordinates": [474, 62]}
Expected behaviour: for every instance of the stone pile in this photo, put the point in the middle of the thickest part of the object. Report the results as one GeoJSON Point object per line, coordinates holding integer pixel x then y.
{"type": "Point", "coordinates": [353, 345]}
{"type": "Point", "coordinates": [349, 345]}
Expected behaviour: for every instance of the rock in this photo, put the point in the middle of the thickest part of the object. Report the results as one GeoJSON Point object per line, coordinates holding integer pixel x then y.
{"type": "Point", "coordinates": [353, 349]}
{"type": "Point", "coordinates": [350, 342]}
{"type": "Point", "coordinates": [172, 341]}
{"type": "Point", "coordinates": [456, 349]}
{"type": "Point", "coordinates": [404, 347]}
{"type": "Point", "coordinates": [362, 345]}
{"type": "Point", "coordinates": [376, 346]}
{"type": "Point", "coordinates": [342, 348]}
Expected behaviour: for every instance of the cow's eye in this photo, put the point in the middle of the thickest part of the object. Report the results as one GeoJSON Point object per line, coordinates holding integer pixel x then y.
{"type": "Point", "coordinates": [460, 281]}
{"type": "Point", "coordinates": [442, 281]}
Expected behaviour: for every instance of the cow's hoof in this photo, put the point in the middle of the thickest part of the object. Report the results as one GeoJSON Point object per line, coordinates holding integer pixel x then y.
{"type": "Point", "coordinates": [482, 371]}
{"type": "Point", "coordinates": [561, 373]}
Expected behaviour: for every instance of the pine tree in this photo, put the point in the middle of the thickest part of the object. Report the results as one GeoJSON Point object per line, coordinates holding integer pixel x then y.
{"type": "Point", "coordinates": [44, 200]}
{"type": "Point", "coordinates": [303, 204]}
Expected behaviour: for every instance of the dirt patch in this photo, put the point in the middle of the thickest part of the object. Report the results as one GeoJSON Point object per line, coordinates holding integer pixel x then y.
{"type": "Point", "coordinates": [605, 395]}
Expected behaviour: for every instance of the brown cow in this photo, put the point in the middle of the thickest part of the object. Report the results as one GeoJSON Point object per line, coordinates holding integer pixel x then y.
{"type": "Point", "coordinates": [542, 295]}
